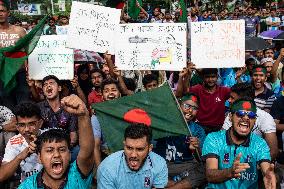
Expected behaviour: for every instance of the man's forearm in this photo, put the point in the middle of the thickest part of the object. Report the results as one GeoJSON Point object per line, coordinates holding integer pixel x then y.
{"type": "Point", "coordinates": [218, 176]}
{"type": "Point", "coordinates": [8, 169]}
{"type": "Point", "coordinates": [86, 137]}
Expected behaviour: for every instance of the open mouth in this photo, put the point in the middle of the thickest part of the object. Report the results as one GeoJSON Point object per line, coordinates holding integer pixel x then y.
{"type": "Point", "coordinates": [57, 167]}
{"type": "Point", "coordinates": [133, 163]}
{"type": "Point", "coordinates": [49, 91]}
{"type": "Point", "coordinates": [244, 127]}
{"type": "Point", "coordinates": [111, 97]}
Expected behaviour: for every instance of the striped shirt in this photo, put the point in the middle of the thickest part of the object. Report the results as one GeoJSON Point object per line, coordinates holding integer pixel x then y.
{"type": "Point", "coordinates": [265, 99]}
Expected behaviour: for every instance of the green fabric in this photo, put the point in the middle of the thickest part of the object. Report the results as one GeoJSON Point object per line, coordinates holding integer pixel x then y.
{"type": "Point", "coordinates": [133, 10]}
{"type": "Point", "coordinates": [196, 79]}
{"type": "Point", "coordinates": [183, 16]}
{"type": "Point", "coordinates": [6, 3]}
{"type": "Point", "coordinates": [10, 66]}
{"type": "Point", "coordinates": [243, 105]}
{"type": "Point", "coordinates": [160, 105]}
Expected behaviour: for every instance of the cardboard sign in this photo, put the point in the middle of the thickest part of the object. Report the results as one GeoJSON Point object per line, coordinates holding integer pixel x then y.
{"type": "Point", "coordinates": [218, 44]}
{"type": "Point", "coordinates": [50, 57]}
{"type": "Point", "coordinates": [92, 27]}
{"type": "Point", "coordinates": [151, 46]}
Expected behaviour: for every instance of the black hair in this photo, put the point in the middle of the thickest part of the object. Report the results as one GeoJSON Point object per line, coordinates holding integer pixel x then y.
{"type": "Point", "coordinates": [137, 131]}
{"type": "Point", "coordinates": [130, 83]}
{"type": "Point", "coordinates": [108, 82]}
{"type": "Point", "coordinates": [27, 109]}
{"type": "Point", "coordinates": [209, 71]}
{"type": "Point", "coordinates": [63, 16]}
{"type": "Point", "coordinates": [149, 78]}
{"type": "Point", "coordinates": [97, 70]}
{"type": "Point", "coordinates": [52, 135]}
{"type": "Point", "coordinates": [250, 60]}
{"type": "Point", "coordinates": [46, 78]}
{"type": "Point", "coordinates": [243, 90]}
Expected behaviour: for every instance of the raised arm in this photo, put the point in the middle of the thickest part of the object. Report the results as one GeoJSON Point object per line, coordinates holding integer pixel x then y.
{"type": "Point", "coordinates": [276, 65]}
{"type": "Point", "coordinates": [74, 105]}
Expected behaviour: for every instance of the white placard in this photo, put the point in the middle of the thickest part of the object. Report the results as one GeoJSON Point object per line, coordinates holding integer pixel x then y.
{"type": "Point", "coordinates": [50, 57]}
{"type": "Point", "coordinates": [62, 30]}
{"type": "Point", "coordinates": [92, 27]}
{"type": "Point", "coordinates": [218, 44]}
{"type": "Point", "coordinates": [150, 46]}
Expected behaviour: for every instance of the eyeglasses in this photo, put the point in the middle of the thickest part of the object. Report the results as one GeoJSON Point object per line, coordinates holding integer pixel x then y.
{"type": "Point", "coordinates": [242, 113]}
{"type": "Point", "coordinates": [30, 124]}
{"type": "Point", "coordinates": [188, 106]}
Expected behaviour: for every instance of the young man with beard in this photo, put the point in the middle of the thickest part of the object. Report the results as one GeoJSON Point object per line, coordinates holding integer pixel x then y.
{"type": "Point", "coordinates": [252, 25]}
{"type": "Point", "coordinates": [20, 149]}
{"type": "Point", "coordinates": [264, 125]}
{"type": "Point", "coordinates": [53, 149]}
{"type": "Point", "coordinates": [211, 112]}
{"type": "Point", "coordinates": [232, 156]}
{"type": "Point", "coordinates": [54, 115]}
{"type": "Point", "coordinates": [97, 77]}
{"type": "Point", "coordinates": [264, 97]}
{"type": "Point", "coordinates": [135, 166]}
{"type": "Point", "coordinates": [110, 91]}
{"type": "Point", "coordinates": [178, 150]}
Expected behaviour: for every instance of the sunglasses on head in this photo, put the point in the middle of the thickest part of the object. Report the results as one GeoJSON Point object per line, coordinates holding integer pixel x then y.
{"type": "Point", "coordinates": [242, 113]}
{"type": "Point", "coordinates": [188, 106]}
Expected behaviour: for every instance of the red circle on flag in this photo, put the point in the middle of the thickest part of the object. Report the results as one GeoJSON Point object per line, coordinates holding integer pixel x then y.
{"type": "Point", "coordinates": [137, 115]}
{"type": "Point", "coordinates": [246, 105]}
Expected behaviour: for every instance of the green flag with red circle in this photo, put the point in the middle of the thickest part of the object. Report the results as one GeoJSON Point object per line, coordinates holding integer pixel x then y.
{"type": "Point", "coordinates": [156, 108]}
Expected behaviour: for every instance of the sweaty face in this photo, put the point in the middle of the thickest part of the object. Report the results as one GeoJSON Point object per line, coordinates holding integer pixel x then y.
{"type": "Point", "coordinates": [189, 109]}
{"type": "Point", "coordinates": [28, 126]}
{"type": "Point", "coordinates": [136, 152]}
{"type": "Point", "coordinates": [210, 80]}
{"type": "Point", "coordinates": [55, 157]}
{"type": "Point", "coordinates": [4, 13]}
{"type": "Point", "coordinates": [258, 79]}
{"type": "Point", "coordinates": [151, 85]}
{"type": "Point", "coordinates": [110, 92]}
{"type": "Point", "coordinates": [51, 89]}
{"type": "Point", "coordinates": [97, 79]}
{"type": "Point", "coordinates": [242, 126]}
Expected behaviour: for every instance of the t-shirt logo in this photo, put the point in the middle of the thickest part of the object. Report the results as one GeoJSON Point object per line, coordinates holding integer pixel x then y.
{"type": "Point", "coordinates": [218, 99]}
{"type": "Point", "coordinates": [147, 182]}
{"type": "Point", "coordinates": [226, 159]}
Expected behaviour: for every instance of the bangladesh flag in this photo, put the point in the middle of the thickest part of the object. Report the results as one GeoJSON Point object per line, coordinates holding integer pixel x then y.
{"type": "Point", "coordinates": [134, 11]}
{"type": "Point", "coordinates": [156, 108]}
{"type": "Point", "coordinates": [12, 58]}
{"type": "Point", "coordinates": [183, 12]}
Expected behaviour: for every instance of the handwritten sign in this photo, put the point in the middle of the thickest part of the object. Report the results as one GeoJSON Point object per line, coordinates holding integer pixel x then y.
{"type": "Point", "coordinates": [150, 46]}
{"type": "Point", "coordinates": [219, 44]}
{"type": "Point", "coordinates": [92, 27]}
{"type": "Point", "coordinates": [50, 57]}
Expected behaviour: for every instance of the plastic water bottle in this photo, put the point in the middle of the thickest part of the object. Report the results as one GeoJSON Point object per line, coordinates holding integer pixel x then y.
{"type": "Point", "coordinates": [180, 176]}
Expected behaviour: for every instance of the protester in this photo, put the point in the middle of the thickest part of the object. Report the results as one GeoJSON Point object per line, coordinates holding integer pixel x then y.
{"type": "Point", "coordinates": [136, 165]}
{"type": "Point", "coordinates": [20, 149]}
{"type": "Point", "coordinates": [232, 161]}
{"type": "Point", "coordinates": [178, 151]}
{"type": "Point", "coordinates": [53, 150]}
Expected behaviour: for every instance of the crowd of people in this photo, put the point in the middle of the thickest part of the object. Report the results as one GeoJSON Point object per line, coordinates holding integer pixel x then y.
{"type": "Point", "coordinates": [50, 137]}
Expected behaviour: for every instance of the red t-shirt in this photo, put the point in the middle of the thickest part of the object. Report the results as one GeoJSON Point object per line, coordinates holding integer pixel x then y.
{"type": "Point", "coordinates": [211, 111]}
{"type": "Point", "coordinates": [94, 97]}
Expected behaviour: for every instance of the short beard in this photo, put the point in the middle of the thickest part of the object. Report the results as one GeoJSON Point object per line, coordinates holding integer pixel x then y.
{"type": "Point", "coordinates": [241, 137]}
{"type": "Point", "coordinates": [142, 164]}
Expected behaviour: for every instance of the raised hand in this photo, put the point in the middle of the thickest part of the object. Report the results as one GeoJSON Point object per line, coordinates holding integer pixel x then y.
{"type": "Point", "coordinates": [116, 72]}
{"type": "Point", "coordinates": [193, 143]}
{"type": "Point", "coordinates": [74, 82]}
{"type": "Point", "coordinates": [74, 105]}
{"type": "Point", "coordinates": [238, 167]}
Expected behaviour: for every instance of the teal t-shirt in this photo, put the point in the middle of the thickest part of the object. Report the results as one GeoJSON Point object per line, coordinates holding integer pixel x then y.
{"type": "Point", "coordinates": [254, 151]}
{"type": "Point", "coordinates": [74, 180]}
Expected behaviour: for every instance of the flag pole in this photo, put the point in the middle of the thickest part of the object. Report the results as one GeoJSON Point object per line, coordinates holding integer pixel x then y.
{"type": "Point", "coordinates": [197, 157]}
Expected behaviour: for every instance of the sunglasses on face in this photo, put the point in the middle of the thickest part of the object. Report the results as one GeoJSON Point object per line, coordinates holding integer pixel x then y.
{"type": "Point", "coordinates": [242, 113]}
{"type": "Point", "coordinates": [188, 106]}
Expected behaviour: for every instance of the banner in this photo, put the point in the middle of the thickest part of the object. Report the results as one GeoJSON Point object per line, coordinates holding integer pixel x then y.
{"type": "Point", "coordinates": [218, 44]}
{"type": "Point", "coordinates": [62, 30]}
{"type": "Point", "coordinates": [29, 9]}
{"type": "Point", "coordinates": [50, 57]}
{"type": "Point", "coordinates": [151, 46]}
{"type": "Point", "coordinates": [92, 27]}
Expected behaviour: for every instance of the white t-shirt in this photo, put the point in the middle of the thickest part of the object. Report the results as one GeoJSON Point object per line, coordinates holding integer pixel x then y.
{"type": "Point", "coordinates": [273, 20]}
{"type": "Point", "coordinates": [264, 123]}
{"type": "Point", "coordinates": [15, 146]}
